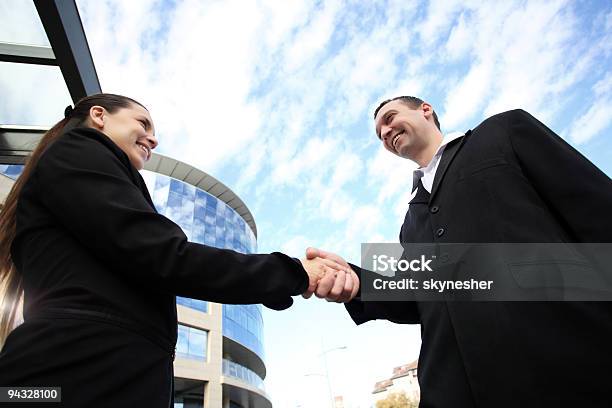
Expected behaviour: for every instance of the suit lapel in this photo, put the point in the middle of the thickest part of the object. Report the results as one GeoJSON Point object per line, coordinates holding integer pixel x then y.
{"type": "Point", "coordinates": [447, 157]}
{"type": "Point", "coordinates": [143, 186]}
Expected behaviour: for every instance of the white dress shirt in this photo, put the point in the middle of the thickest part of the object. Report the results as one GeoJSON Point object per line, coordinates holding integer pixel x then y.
{"type": "Point", "coordinates": [428, 173]}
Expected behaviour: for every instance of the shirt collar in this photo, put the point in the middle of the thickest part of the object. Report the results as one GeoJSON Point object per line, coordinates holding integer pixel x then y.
{"type": "Point", "coordinates": [446, 139]}
{"type": "Point", "coordinates": [428, 173]}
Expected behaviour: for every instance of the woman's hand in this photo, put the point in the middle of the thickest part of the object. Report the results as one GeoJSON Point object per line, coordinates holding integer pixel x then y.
{"type": "Point", "coordinates": [330, 277]}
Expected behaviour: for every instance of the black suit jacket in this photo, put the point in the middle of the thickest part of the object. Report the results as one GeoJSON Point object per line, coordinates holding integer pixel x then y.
{"type": "Point", "coordinates": [101, 269]}
{"type": "Point", "coordinates": [512, 179]}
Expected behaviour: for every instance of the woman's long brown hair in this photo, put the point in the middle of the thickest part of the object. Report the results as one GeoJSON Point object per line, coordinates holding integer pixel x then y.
{"type": "Point", "coordinates": [11, 288]}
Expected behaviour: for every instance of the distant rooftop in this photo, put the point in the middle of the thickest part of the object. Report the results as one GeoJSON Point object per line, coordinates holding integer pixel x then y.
{"type": "Point", "coordinates": [398, 372]}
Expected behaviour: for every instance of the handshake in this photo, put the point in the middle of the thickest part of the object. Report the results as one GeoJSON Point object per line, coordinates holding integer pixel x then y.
{"type": "Point", "coordinates": [329, 276]}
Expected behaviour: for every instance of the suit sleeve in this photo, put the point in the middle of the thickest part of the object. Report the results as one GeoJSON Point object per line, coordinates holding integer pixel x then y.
{"type": "Point", "coordinates": [574, 188]}
{"type": "Point", "coordinates": [86, 187]}
{"type": "Point", "coordinates": [363, 311]}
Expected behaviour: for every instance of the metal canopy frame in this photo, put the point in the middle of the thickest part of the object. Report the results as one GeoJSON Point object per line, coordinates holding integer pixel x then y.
{"type": "Point", "coordinates": [65, 32]}
{"type": "Point", "coordinates": [69, 51]}
{"type": "Point", "coordinates": [17, 142]}
{"type": "Point", "coordinates": [69, 48]}
{"type": "Point", "coordinates": [27, 54]}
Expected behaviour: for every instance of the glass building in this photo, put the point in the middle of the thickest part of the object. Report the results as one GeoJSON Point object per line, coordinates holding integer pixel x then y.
{"type": "Point", "coordinates": [219, 352]}
{"type": "Point", "coordinates": [209, 213]}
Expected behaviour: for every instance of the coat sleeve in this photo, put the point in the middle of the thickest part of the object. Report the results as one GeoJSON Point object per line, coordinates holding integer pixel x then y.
{"type": "Point", "coordinates": [363, 311]}
{"type": "Point", "coordinates": [88, 190]}
{"type": "Point", "coordinates": [575, 190]}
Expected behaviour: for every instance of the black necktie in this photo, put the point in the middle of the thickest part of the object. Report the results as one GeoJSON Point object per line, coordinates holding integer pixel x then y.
{"type": "Point", "coordinates": [416, 179]}
{"type": "Point", "coordinates": [417, 226]}
{"type": "Point", "coordinates": [422, 195]}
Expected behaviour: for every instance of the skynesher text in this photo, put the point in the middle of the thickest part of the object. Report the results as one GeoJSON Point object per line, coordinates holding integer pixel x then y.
{"type": "Point", "coordinates": [431, 284]}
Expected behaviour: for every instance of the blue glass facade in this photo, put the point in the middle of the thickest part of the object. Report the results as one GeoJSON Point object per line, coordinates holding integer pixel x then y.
{"type": "Point", "coordinates": [192, 343]}
{"type": "Point", "coordinates": [11, 170]}
{"type": "Point", "coordinates": [244, 324]}
{"type": "Point", "coordinates": [208, 220]}
{"type": "Point", "coordinates": [196, 304]}
{"type": "Point", "coordinates": [204, 218]}
{"type": "Point", "coordinates": [232, 369]}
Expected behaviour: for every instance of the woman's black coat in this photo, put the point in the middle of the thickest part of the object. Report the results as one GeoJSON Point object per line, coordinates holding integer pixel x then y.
{"type": "Point", "coordinates": [101, 269]}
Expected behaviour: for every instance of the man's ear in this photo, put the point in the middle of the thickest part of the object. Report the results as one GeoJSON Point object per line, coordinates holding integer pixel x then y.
{"type": "Point", "coordinates": [96, 115]}
{"type": "Point", "coordinates": [427, 111]}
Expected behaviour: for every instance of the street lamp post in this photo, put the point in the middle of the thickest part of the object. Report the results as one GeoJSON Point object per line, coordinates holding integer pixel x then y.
{"type": "Point", "coordinates": [324, 354]}
{"type": "Point", "coordinates": [326, 375]}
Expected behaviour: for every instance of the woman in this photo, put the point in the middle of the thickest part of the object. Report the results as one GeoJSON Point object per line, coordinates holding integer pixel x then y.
{"type": "Point", "coordinates": [100, 268]}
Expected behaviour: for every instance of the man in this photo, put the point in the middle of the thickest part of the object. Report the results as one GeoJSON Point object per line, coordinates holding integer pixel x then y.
{"type": "Point", "coordinates": [511, 179]}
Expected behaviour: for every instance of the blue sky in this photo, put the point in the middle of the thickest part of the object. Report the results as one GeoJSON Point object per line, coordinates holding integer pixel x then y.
{"type": "Point", "coordinates": [275, 98]}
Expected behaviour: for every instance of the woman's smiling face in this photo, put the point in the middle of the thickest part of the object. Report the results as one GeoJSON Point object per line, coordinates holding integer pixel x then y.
{"type": "Point", "coordinates": [130, 128]}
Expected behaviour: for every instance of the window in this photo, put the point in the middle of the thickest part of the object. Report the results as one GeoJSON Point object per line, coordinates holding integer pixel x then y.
{"type": "Point", "coordinates": [192, 343]}
{"type": "Point", "coordinates": [196, 304]}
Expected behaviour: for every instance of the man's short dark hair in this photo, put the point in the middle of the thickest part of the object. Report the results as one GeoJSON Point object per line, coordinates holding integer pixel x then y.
{"type": "Point", "coordinates": [413, 103]}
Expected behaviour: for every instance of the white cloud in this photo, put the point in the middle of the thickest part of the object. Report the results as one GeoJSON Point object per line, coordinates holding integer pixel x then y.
{"type": "Point", "coordinates": [516, 64]}
{"type": "Point", "coordinates": [283, 17]}
{"type": "Point", "coordinates": [390, 175]}
{"type": "Point", "coordinates": [22, 14]}
{"type": "Point", "coordinates": [599, 115]}
{"type": "Point", "coordinates": [459, 41]}
{"type": "Point", "coordinates": [195, 77]}
{"type": "Point", "coordinates": [313, 39]}
{"type": "Point", "coordinates": [296, 246]}
{"type": "Point", "coordinates": [439, 19]}
{"type": "Point", "coordinates": [468, 96]}
{"type": "Point", "coordinates": [32, 95]}
{"type": "Point", "coordinates": [314, 159]}
{"type": "Point", "coordinates": [363, 225]}
{"type": "Point", "coordinates": [348, 167]}
{"type": "Point", "coordinates": [603, 87]}
{"type": "Point", "coordinates": [597, 118]}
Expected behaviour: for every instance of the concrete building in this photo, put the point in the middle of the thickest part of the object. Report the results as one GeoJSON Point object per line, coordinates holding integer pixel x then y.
{"type": "Point", "coordinates": [404, 379]}
{"type": "Point", "coordinates": [219, 356]}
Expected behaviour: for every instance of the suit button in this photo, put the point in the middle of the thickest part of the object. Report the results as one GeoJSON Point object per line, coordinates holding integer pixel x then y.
{"type": "Point", "coordinates": [440, 232]}
{"type": "Point", "coordinates": [434, 209]}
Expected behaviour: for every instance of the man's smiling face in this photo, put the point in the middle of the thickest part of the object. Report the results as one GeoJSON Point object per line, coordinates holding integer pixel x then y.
{"type": "Point", "coordinates": [403, 130]}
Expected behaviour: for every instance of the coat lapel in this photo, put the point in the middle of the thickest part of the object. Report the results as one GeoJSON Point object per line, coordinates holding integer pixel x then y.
{"type": "Point", "coordinates": [447, 157]}
{"type": "Point", "coordinates": [133, 173]}
{"type": "Point", "coordinates": [143, 186]}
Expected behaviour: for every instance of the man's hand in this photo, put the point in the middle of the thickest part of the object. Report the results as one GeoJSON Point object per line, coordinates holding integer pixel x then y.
{"type": "Point", "coordinates": [312, 253]}
{"type": "Point", "coordinates": [339, 283]}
